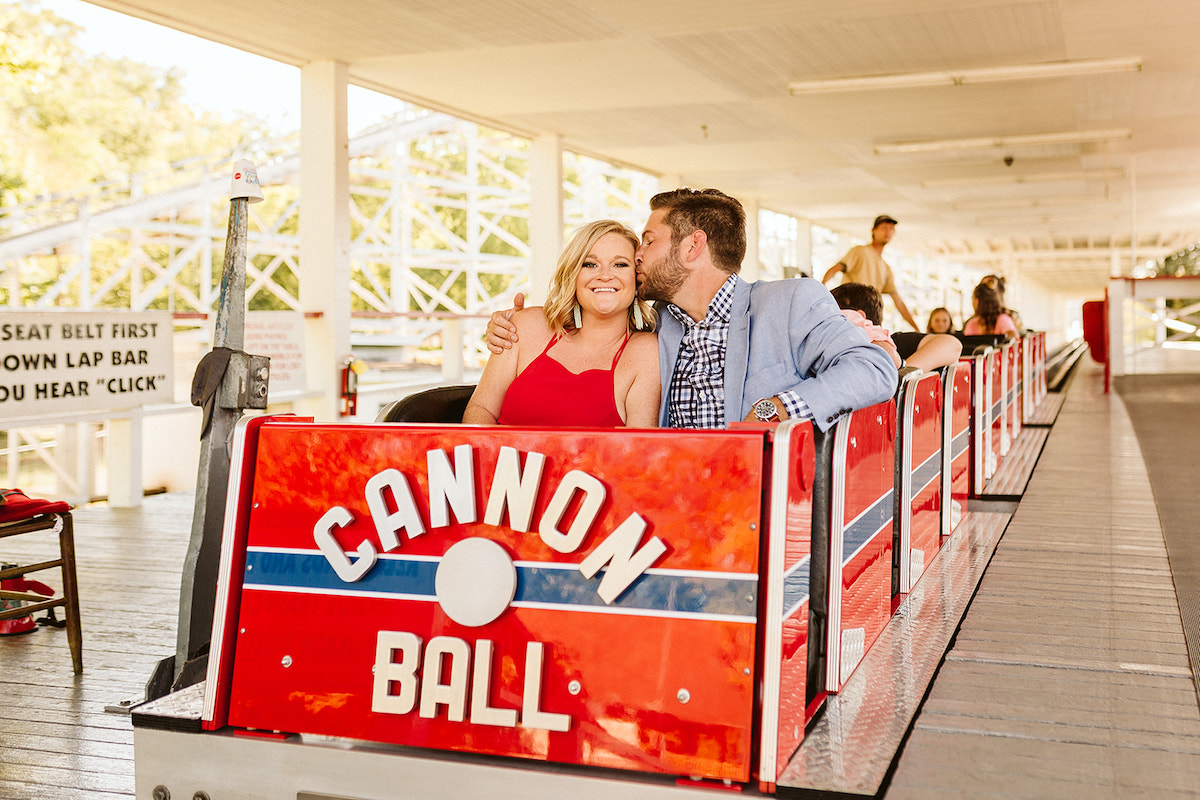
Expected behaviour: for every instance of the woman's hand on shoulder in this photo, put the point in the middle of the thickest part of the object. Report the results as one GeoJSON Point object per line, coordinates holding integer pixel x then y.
{"type": "Point", "coordinates": [525, 317]}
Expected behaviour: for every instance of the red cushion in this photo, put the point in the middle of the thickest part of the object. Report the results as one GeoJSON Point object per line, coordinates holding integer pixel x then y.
{"type": "Point", "coordinates": [15, 505]}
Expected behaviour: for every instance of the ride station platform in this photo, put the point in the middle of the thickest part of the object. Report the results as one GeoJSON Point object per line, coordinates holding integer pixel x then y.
{"type": "Point", "coordinates": [1068, 675]}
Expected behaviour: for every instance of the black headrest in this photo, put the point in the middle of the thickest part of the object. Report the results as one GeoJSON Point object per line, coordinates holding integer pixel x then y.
{"type": "Point", "coordinates": [443, 404]}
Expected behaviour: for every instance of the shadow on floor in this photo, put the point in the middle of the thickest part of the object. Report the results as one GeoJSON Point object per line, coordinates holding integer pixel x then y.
{"type": "Point", "coordinates": [1165, 412]}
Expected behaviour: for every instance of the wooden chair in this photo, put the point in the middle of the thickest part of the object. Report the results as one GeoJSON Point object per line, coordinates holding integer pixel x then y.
{"type": "Point", "coordinates": [21, 515]}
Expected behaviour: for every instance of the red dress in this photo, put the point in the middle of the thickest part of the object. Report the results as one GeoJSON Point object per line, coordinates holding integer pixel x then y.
{"type": "Point", "coordinates": [550, 395]}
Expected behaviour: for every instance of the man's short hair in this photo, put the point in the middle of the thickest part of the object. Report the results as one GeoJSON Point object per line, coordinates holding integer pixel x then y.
{"type": "Point", "coordinates": [720, 216]}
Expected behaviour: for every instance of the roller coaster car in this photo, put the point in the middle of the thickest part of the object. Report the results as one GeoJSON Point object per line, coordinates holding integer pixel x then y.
{"type": "Point", "coordinates": [675, 603]}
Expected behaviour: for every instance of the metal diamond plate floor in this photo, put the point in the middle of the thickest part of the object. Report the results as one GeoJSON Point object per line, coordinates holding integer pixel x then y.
{"type": "Point", "coordinates": [850, 748]}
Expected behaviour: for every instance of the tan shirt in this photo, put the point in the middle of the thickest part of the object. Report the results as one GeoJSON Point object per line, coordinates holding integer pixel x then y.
{"type": "Point", "coordinates": [864, 265]}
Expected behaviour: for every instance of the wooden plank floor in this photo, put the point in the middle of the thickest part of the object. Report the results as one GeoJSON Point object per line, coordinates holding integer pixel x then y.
{"type": "Point", "coordinates": [56, 739]}
{"type": "Point", "coordinates": [1070, 674]}
{"type": "Point", "coordinates": [1069, 677]}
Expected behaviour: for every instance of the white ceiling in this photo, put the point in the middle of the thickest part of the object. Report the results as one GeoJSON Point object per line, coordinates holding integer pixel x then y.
{"type": "Point", "coordinates": [697, 90]}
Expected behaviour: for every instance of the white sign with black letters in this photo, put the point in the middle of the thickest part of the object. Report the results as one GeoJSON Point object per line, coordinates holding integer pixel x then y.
{"type": "Point", "coordinates": [66, 361]}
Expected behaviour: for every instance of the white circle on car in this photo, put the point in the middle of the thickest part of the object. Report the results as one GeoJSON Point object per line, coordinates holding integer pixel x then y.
{"type": "Point", "coordinates": [475, 582]}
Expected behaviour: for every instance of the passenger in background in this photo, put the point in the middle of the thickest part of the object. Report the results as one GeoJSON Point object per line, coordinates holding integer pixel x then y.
{"type": "Point", "coordinates": [864, 264]}
{"type": "Point", "coordinates": [587, 358]}
{"type": "Point", "coordinates": [989, 319]}
{"type": "Point", "coordinates": [940, 321]}
{"type": "Point", "coordinates": [997, 283]}
{"type": "Point", "coordinates": [925, 351]}
{"type": "Point", "coordinates": [863, 306]}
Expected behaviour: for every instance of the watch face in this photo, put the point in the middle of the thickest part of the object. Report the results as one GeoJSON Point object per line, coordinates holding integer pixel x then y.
{"type": "Point", "coordinates": [765, 410]}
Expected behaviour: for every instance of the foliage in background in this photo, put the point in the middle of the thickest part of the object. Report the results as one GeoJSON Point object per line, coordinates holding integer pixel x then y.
{"type": "Point", "coordinates": [88, 130]}
{"type": "Point", "coordinates": [439, 224]}
{"type": "Point", "coordinates": [1180, 263]}
{"type": "Point", "coordinates": [69, 119]}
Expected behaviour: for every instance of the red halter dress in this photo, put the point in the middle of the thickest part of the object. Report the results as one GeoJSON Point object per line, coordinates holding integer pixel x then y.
{"type": "Point", "coordinates": [550, 395]}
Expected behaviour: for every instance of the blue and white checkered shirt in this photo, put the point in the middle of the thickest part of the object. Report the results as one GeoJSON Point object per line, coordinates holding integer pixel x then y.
{"type": "Point", "coordinates": [696, 397]}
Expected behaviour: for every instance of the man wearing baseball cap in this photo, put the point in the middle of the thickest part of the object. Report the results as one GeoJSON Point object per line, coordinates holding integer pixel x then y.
{"type": "Point", "coordinates": [864, 264]}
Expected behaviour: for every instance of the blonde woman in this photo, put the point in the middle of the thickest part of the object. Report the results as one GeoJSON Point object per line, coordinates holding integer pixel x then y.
{"type": "Point", "coordinates": [586, 359]}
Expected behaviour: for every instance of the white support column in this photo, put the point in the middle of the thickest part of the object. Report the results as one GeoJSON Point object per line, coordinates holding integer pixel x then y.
{"type": "Point", "coordinates": [125, 461]}
{"type": "Point", "coordinates": [804, 260]}
{"type": "Point", "coordinates": [1013, 298]}
{"type": "Point", "coordinates": [545, 214]}
{"type": "Point", "coordinates": [452, 351]}
{"type": "Point", "coordinates": [324, 231]}
{"type": "Point", "coordinates": [84, 461]}
{"type": "Point", "coordinates": [1133, 216]}
{"type": "Point", "coordinates": [750, 264]}
{"type": "Point", "coordinates": [12, 463]}
{"type": "Point", "coordinates": [1116, 328]}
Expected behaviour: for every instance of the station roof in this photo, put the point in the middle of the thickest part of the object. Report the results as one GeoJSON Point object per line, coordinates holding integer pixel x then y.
{"type": "Point", "coordinates": [1041, 136]}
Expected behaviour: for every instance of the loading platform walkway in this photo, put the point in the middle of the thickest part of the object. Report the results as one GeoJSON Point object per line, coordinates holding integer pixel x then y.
{"type": "Point", "coordinates": [1069, 675]}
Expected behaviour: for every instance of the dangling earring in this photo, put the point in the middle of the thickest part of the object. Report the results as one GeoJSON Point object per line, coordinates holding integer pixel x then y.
{"type": "Point", "coordinates": [577, 314]}
{"type": "Point", "coordinates": [638, 323]}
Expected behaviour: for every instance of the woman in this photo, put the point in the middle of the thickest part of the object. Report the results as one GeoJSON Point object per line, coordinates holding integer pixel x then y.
{"type": "Point", "coordinates": [997, 283]}
{"type": "Point", "coordinates": [940, 321]}
{"type": "Point", "coordinates": [583, 360]}
{"type": "Point", "coordinates": [989, 318]}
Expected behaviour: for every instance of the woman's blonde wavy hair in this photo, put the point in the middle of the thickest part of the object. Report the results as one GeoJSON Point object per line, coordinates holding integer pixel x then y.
{"type": "Point", "coordinates": [561, 299]}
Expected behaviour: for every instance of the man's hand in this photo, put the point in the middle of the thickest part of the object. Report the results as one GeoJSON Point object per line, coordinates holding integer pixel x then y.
{"type": "Point", "coordinates": [501, 332]}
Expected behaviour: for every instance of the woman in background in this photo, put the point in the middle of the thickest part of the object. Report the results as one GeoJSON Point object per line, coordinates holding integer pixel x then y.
{"type": "Point", "coordinates": [940, 321]}
{"type": "Point", "coordinates": [997, 283]}
{"type": "Point", "coordinates": [989, 318]}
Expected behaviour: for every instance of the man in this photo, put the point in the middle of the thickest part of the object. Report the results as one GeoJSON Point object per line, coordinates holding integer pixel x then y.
{"type": "Point", "coordinates": [730, 350]}
{"type": "Point", "coordinates": [864, 264]}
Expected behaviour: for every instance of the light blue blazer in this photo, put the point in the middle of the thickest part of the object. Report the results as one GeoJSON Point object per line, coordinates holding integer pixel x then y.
{"type": "Point", "coordinates": [785, 335]}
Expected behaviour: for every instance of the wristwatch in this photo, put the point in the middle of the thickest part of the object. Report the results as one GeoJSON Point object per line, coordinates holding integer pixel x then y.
{"type": "Point", "coordinates": [765, 411]}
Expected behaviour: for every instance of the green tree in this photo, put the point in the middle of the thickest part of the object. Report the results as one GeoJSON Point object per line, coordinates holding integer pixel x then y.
{"type": "Point", "coordinates": [70, 120]}
{"type": "Point", "coordinates": [1180, 263]}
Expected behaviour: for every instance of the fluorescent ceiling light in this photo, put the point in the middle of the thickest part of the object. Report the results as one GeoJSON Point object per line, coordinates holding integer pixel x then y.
{"type": "Point", "coordinates": [1017, 72]}
{"type": "Point", "coordinates": [1026, 221]}
{"type": "Point", "coordinates": [1019, 178]}
{"type": "Point", "coordinates": [1080, 254]}
{"type": "Point", "coordinates": [996, 142]}
{"type": "Point", "coordinates": [1031, 203]}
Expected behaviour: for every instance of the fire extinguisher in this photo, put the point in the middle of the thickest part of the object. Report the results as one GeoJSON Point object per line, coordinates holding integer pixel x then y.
{"type": "Point", "coordinates": [351, 369]}
{"type": "Point", "coordinates": [25, 624]}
